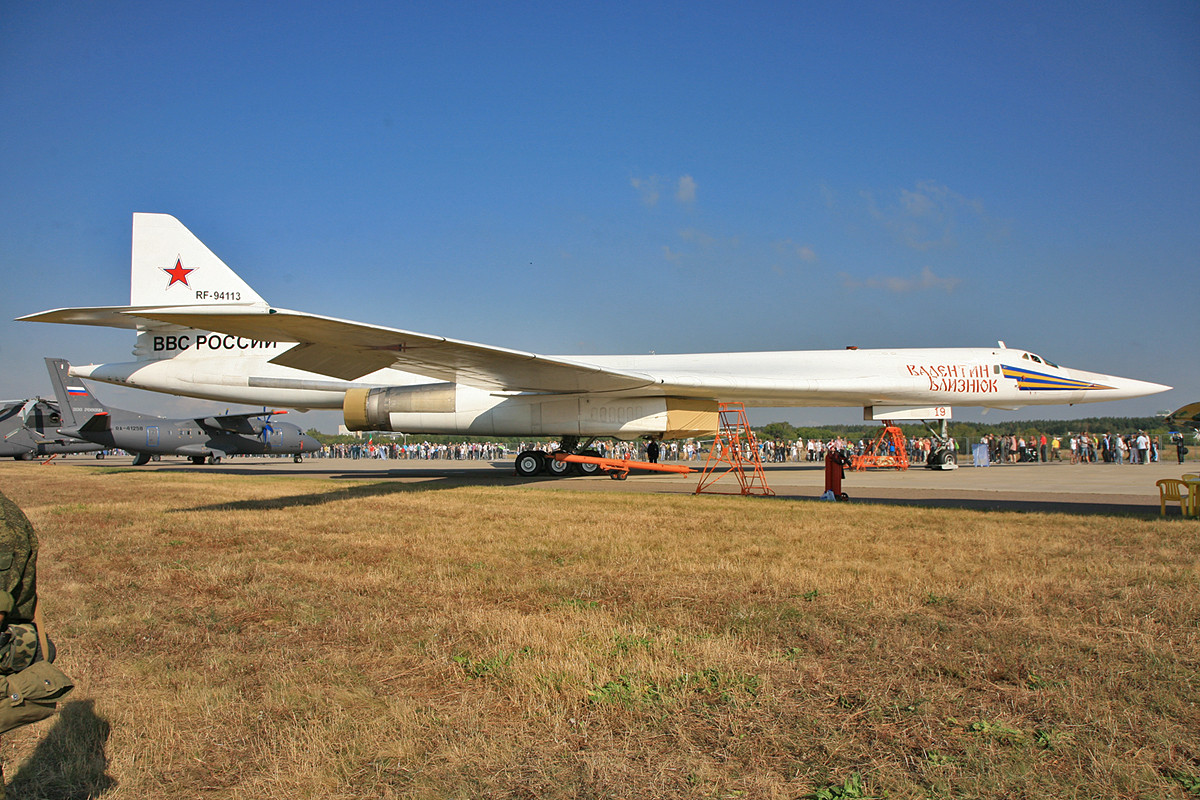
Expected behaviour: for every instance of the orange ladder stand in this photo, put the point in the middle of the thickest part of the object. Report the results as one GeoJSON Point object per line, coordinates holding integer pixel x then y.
{"type": "Point", "coordinates": [734, 447]}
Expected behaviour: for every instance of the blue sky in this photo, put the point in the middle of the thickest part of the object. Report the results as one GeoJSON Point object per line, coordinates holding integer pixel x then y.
{"type": "Point", "coordinates": [574, 178]}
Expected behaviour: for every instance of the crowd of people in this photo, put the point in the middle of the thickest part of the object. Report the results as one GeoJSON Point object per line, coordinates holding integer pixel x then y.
{"type": "Point", "coordinates": [423, 451]}
{"type": "Point", "coordinates": [1079, 448]}
{"type": "Point", "coordinates": [770, 450]}
{"type": "Point", "coordinates": [814, 450]}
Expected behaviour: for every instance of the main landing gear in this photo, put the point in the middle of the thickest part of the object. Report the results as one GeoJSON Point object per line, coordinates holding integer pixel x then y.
{"type": "Point", "coordinates": [535, 462]}
{"type": "Point", "coordinates": [571, 459]}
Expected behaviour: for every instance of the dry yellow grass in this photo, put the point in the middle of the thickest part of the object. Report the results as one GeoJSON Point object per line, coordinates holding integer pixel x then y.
{"type": "Point", "coordinates": [250, 637]}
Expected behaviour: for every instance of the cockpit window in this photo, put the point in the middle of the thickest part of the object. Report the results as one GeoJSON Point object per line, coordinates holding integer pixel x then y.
{"type": "Point", "coordinates": [1038, 359]}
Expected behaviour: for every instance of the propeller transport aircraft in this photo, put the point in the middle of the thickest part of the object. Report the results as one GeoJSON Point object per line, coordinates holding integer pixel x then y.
{"type": "Point", "coordinates": [27, 431]}
{"type": "Point", "coordinates": [203, 332]}
{"type": "Point", "coordinates": [85, 418]}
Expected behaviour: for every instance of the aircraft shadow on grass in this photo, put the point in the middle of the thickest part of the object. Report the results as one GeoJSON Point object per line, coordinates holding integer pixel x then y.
{"type": "Point", "coordinates": [443, 483]}
{"type": "Point", "coordinates": [337, 495]}
{"type": "Point", "coordinates": [1079, 509]}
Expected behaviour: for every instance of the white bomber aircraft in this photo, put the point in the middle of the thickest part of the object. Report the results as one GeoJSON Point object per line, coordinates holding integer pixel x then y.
{"type": "Point", "coordinates": [203, 332]}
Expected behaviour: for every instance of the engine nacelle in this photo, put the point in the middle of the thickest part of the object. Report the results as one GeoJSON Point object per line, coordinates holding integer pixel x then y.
{"type": "Point", "coordinates": [447, 408]}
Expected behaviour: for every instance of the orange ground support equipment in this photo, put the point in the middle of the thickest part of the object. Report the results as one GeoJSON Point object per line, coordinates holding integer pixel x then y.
{"type": "Point", "coordinates": [888, 451]}
{"type": "Point", "coordinates": [734, 439]}
{"type": "Point", "coordinates": [618, 468]}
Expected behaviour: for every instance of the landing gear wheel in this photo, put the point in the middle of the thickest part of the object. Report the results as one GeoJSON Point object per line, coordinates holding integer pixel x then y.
{"type": "Point", "coordinates": [530, 463]}
{"type": "Point", "coordinates": [618, 476]}
{"type": "Point", "coordinates": [140, 459]}
{"type": "Point", "coordinates": [588, 469]}
{"type": "Point", "coordinates": [945, 457]}
{"type": "Point", "coordinates": [942, 458]}
{"type": "Point", "coordinates": [214, 459]}
{"type": "Point", "coordinates": [557, 468]}
{"type": "Point", "coordinates": [197, 459]}
{"type": "Point", "coordinates": [296, 459]}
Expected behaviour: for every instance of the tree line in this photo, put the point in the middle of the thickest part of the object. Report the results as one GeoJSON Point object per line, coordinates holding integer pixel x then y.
{"type": "Point", "coordinates": [974, 430]}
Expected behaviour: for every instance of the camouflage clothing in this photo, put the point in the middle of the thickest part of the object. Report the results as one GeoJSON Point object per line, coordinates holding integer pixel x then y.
{"type": "Point", "coordinates": [18, 570]}
{"type": "Point", "coordinates": [18, 563]}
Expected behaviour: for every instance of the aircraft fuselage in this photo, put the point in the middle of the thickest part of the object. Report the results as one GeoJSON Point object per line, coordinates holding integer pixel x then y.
{"type": "Point", "coordinates": [930, 377]}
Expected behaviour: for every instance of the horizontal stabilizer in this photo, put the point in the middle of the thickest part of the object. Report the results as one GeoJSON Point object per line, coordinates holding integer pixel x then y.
{"type": "Point", "coordinates": [99, 423]}
{"type": "Point", "coordinates": [103, 316]}
{"type": "Point", "coordinates": [131, 317]}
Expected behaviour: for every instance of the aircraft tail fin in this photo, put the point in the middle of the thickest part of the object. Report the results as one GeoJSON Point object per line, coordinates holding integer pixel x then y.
{"type": "Point", "coordinates": [171, 267]}
{"type": "Point", "coordinates": [76, 404]}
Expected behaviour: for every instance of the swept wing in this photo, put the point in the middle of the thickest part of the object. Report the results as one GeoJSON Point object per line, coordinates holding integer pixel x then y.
{"type": "Point", "coordinates": [348, 350]}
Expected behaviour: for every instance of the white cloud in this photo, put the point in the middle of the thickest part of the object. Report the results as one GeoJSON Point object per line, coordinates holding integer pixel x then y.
{"type": "Point", "coordinates": [647, 188]}
{"type": "Point", "coordinates": [699, 237]}
{"type": "Point", "coordinates": [928, 216]}
{"type": "Point", "coordinates": [827, 194]}
{"type": "Point", "coordinates": [651, 189]}
{"type": "Point", "coordinates": [931, 281]}
{"type": "Point", "coordinates": [916, 204]}
{"type": "Point", "coordinates": [686, 193]}
{"type": "Point", "coordinates": [927, 280]}
{"type": "Point", "coordinates": [800, 251]}
{"type": "Point", "coordinates": [670, 255]}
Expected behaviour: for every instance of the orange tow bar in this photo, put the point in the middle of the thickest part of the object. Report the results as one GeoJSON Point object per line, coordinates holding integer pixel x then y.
{"type": "Point", "coordinates": [618, 468]}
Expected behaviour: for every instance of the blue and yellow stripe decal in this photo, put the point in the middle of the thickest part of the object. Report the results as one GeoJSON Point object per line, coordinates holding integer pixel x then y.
{"type": "Point", "coordinates": [1030, 381]}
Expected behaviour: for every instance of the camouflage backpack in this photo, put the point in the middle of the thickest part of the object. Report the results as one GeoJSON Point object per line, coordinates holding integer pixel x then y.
{"type": "Point", "coordinates": [32, 685]}
{"type": "Point", "coordinates": [19, 648]}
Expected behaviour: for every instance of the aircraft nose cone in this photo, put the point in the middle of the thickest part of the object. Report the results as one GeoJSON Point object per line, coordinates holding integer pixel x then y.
{"type": "Point", "coordinates": [310, 444]}
{"type": "Point", "coordinates": [1128, 387]}
{"type": "Point", "coordinates": [1118, 388]}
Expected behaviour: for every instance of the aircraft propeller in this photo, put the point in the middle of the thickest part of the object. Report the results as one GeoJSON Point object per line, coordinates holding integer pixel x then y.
{"type": "Point", "coordinates": [267, 430]}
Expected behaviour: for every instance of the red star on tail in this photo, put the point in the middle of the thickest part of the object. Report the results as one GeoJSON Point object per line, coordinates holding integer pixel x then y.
{"type": "Point", "coordinates": [178, 274]}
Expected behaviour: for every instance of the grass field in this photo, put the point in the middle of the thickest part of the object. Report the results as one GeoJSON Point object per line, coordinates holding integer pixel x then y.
{"type": "Point", "coordinates": [266, 637]}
